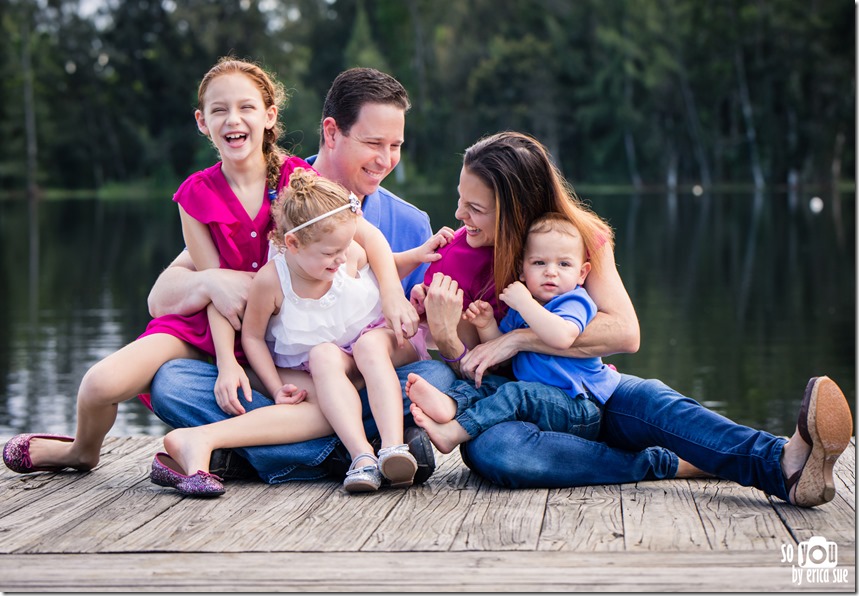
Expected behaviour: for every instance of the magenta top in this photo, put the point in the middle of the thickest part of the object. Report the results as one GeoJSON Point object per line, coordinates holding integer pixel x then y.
{"type": "Point", "coordinates": [473, 270]}
{"type": "Point", "coordinates": [242, 244]}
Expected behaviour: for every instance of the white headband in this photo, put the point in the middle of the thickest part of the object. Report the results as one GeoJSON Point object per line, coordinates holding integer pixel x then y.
{"type": "Point", "coordinates": [354, 204]}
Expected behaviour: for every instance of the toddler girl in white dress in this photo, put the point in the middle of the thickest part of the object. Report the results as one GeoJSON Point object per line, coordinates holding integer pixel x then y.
{"type": "Point", "coordinates": [321, 307]}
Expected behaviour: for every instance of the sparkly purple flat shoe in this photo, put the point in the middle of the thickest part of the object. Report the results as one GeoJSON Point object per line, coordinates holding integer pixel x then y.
{"type": "Point", "coordinates": [167, 472]}
{"type": "Point", "coordinates": [16, 453]}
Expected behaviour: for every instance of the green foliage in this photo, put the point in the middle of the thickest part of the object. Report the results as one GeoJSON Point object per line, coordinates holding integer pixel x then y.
{"type": "Point", "coordinates": [619, 90]}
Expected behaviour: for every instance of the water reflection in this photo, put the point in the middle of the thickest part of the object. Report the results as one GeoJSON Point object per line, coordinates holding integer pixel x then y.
{"type": "Point", "coordinates": [740, 298]}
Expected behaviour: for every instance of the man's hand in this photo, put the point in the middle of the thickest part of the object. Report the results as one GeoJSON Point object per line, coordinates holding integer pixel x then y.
{"type": "Point", "coordinates": [229, 292]}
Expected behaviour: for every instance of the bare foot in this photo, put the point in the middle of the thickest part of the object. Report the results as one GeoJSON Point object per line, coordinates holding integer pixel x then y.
{"type": "Point", "coordinates": [439, 406]}
{"type": "Point", "coordinates": [51, 452]}
{"type": "Point", "coordinates": [189, 449]}
{"type": "Point", "coordinates": [687, 470]}
{"type": "Point", "coordinates": [445, 436]}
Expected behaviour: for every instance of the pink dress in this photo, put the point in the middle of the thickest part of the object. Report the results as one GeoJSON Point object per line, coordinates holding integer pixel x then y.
{"type": "Point", "coordinates": [242, 243]}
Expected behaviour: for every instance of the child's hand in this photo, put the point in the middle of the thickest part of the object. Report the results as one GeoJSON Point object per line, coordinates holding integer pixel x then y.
{"type": "Point", "coordinates": [479, 313]}
{"type": "Point", "coordinates": [516, 295]}
{"type": "Point", "coordinates": [290, 394]}
{"type": "Point", "coordinates": [428, 249]}
{"type": "Point", "coordinates": [419, 294]}
{"type": "Point", "coordinates": [401, 316]}
{"type": "Point", "coordinates": [230, 376]}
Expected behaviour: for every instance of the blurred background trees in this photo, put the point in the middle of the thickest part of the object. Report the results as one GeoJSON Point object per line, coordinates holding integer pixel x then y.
{"type": "Point", "coordinates": [645, 93]}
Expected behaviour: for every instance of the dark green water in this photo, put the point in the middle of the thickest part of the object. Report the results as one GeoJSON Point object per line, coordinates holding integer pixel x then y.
{"type": "Point", "coordinates": [740, 298]}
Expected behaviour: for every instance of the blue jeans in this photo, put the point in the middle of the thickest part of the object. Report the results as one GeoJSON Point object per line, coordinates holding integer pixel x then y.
{"type": "Point", "coordinates": [183, 396]}
{"type": "Point", "coordinates": [644, 424]}
{"type": "Point", "coordinates": [500, 400]}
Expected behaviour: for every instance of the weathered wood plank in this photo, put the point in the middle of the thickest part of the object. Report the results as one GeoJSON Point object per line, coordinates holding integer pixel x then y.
{"type": "Point", "coordinates": [502, 519]}
{"type": "Point", "coordinates": [78, 499]}
{"type": "Point", "coordinates": [583, 519]}
{"type": "Point", "coordinates": [661, 516]}
{"type": "Point", "coordinates": [341, 521]}
{"type": "Point", "coordinates": [429, 516]}
{"type": "Point", "coordinates": [525, 572]}
{"type": "Point", "coordinates": [184, 524]}
{"type": "Point", "coordinates": [845, 475]}
{"type": "Point", "coordinates": [836, 520]}
{"type": "Point", "coordinates": [737, 517]}
{"type": "Point", "coordinates": [22, 490]}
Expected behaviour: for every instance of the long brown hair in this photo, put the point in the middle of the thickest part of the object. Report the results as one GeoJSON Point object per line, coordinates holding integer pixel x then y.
{"type": "Point", "coordinates": [273, 94]}
{"type": "Point", "coordinates": [527, 184]}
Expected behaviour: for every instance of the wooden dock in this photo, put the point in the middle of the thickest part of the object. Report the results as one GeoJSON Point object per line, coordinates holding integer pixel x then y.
{"type": "Point", "coordinates": [112, 530]}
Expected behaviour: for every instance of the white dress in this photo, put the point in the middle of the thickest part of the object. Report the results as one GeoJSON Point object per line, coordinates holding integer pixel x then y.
{"type": "Point", "coordinates": [351, 305]}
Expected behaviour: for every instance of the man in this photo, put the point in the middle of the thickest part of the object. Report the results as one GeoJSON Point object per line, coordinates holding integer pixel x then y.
{"type": "Point", "coordinates": [361, 134]}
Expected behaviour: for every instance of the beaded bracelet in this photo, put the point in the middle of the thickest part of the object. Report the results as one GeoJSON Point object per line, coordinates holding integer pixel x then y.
{"type": "Point", "coordinates": [461, 356]}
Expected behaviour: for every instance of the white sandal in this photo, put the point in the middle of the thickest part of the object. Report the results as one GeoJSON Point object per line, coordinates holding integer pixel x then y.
{"type": "Point", "coordinates": [365, 479]}
{"type": "Point", "coordinates": [398, 465]}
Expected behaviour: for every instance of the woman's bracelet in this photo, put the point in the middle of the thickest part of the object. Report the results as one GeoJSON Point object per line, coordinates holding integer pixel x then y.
{"type": "Point", "coordinates": [461, 356]}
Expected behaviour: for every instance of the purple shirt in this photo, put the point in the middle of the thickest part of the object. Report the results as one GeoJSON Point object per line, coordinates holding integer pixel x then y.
{"type": "Point", "coordinates": [471, 268]}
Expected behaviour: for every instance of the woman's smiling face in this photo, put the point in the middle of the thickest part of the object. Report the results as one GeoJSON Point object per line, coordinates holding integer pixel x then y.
{"type": "Point", "coordinates": [476, 209]}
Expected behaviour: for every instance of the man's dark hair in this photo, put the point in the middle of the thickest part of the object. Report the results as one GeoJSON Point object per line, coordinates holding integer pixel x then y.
{"type": "Point", "coordinates": [358, 86]}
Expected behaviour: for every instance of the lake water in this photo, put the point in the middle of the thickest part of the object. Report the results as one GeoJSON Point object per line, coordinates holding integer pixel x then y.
{"type": "Point", "coordinates": [740, 298]}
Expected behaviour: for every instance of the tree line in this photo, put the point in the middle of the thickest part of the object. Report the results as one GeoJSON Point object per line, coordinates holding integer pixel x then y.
{"type": "Point", "coordinates": [645, 93]}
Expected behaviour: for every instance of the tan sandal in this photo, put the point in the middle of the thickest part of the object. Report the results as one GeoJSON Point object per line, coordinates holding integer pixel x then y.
{"type": "Point", "coordinates": [826, 424]}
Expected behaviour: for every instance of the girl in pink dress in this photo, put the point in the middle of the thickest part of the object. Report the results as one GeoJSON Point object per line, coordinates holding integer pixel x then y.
{"type": "Point", "coordinates": [225, 214]}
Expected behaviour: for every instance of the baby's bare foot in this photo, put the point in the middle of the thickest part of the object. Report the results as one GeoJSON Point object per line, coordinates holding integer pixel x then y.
{"type": "Point", "coordinates": [437, 405]}
{"type": "Point", "coordinates": [185, 445]}
{"type": "Point", "coordinates": [445, 436]}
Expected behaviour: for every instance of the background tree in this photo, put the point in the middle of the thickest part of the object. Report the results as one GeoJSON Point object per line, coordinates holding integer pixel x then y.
{"type": "Point", "coordinates": [650, 93]}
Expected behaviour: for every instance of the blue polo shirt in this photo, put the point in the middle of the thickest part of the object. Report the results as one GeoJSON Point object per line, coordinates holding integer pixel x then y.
{"type": "Point", "coordinates": [404, 225]}
{"type": "Point", "coordinates": [573, 375]}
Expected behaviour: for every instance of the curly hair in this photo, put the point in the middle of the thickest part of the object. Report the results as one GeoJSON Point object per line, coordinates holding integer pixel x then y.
{"type": "Point", "coordinates": [306, 196]}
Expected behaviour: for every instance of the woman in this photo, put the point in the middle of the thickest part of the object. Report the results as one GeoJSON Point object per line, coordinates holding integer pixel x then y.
{"type": "Point", "coordinates": [507, 180]}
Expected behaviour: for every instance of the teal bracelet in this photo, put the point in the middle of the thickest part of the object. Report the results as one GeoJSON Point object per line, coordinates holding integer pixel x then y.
{"type": "Point", "coordinates": [461, 356]}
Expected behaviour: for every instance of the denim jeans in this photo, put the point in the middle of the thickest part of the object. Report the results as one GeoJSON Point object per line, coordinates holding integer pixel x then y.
{"type": "Point", "coordinates": [183, 396]}
{"type": "Point", "coordinates": [644, 424]}
{"type": "Point", "coordinates": [500, 400]}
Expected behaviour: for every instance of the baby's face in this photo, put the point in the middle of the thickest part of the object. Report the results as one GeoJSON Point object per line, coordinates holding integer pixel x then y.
{"type": "Point", "coordinates": [554, 264]}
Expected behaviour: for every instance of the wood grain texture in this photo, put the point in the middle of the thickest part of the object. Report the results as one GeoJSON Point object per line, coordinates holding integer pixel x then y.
{"type": "Point", "coordinates": [112, 530]}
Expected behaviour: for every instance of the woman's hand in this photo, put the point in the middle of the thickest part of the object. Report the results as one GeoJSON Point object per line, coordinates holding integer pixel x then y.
{"type": "Point", "coordinates": [230, 376]}
{"type": "Point", "coordinates": [290, 394]}
{"type": "Point", "coordinates": [443, 304]}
